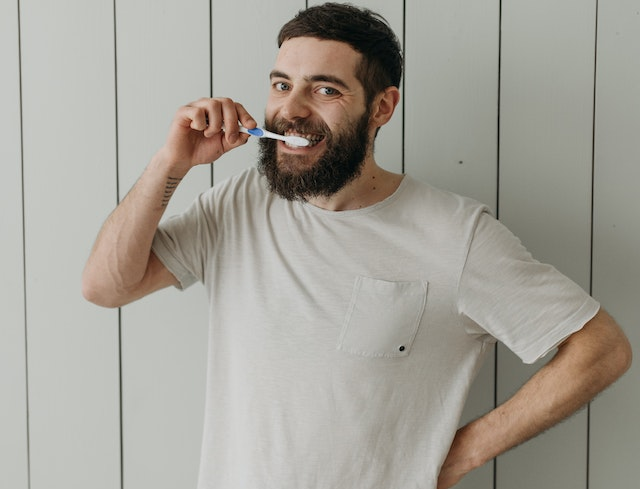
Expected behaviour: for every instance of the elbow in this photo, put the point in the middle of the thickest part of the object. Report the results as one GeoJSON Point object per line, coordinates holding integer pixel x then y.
{"type": "Point", "coordinates": [619, 357]}
{"type": "Point", "coordinates": [97, 293]}
{"type": "Point", "coordinates": [93, 296]}
{"type": "Point", "coordinates": [624, 355]}
{"type": "Point", "coordinates": [621, 354]}
{"type": "Point", "coordinates": [603, 349]}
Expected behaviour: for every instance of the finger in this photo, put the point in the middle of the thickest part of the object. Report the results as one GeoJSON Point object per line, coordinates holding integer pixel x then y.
{"type": "Point", "coordinates": [245, 118]}
{"type": "Point", "coordinates": [212, 117]}
{"type": "Point", "coordinates": [216, 115]}
{"type": "Point", "coordinates": [192, 117]}
{"type": "Point", "coordinates": [230, 120]}
{"type": "Point", "coordinates": [189, 116]}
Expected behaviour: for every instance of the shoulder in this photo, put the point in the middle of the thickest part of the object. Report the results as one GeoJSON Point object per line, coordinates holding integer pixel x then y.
{"type": "Point", "coordinates": [439, 205]}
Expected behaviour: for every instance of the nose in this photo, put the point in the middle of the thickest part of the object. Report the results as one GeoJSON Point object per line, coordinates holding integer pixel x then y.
{"type": "Point", "coordinates": [295, 106]}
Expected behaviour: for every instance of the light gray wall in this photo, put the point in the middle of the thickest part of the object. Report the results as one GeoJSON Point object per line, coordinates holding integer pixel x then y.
{"type": "Point", "coordinates": [530, 107]}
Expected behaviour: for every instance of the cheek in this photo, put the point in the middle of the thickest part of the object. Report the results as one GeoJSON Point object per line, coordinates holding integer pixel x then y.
{"type": "Point", "coordinates": [272, 107]}
{"type": "Point", "coordinates": [269, 114]}
{"type": "Point", "coordinates": [347, 116]}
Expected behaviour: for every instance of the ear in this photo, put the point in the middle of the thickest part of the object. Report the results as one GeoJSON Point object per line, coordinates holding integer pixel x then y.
{"type": "Point", "coordinates": [384, 105]}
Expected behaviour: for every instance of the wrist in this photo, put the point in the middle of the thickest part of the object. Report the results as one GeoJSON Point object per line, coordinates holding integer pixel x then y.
{"type": "Point", "coordinates": [167, 166]}
{"type": "Point", "coordinates": [159, 181]}
{"type": "Point", "coordinates": [469, 443]}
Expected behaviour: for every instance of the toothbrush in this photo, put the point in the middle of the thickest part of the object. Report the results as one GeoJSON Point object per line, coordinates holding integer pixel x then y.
{"type": "Point", "coordinates": [262, 133]}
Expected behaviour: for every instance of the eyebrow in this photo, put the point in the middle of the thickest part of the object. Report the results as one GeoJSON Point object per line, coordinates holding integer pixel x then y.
{"type": "Point", "coordinates": [313, 78]}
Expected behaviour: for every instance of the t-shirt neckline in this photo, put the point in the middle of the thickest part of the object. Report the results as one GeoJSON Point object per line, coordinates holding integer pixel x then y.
{"type": "Point", "coordinates": [357, 212]}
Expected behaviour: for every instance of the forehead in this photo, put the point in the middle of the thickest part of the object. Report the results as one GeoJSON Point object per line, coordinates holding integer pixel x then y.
{"type": "Point", "coordinates": [308, 57]}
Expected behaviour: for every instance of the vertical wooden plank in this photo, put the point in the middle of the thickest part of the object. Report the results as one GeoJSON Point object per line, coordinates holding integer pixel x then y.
{"type": "Point", "coordinates": [242, 60]}
{"type": "Point", "coordinates": [451, 124]}
{"type": "Point", "coordinates": [614, 430]}
{"type": "Point", "coordinates": [545, 192]}
{"type": "Point", "coordinates": [163, 62]}
{"type": "Point", "coordinates": [451, 95]}
{"type": "Point", "coordinates": [69, 184]}
{"type": "Point", "coordinates": [13, 379]}
{"type": "Point", "coordinates": [388, 144]}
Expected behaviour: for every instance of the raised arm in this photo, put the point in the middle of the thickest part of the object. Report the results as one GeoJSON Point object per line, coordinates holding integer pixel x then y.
{"type": "Point", "coordinates": [121, 267]}
{"type": "Point", "coordinates": [585, 364]}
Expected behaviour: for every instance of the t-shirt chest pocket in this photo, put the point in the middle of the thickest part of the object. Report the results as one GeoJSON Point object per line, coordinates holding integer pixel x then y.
{"type": "Point", "coordinates": [383, 317]}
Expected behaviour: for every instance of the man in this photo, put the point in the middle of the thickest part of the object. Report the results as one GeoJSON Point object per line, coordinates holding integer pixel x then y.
{"type": "Point", "coordinates": [350, 307]}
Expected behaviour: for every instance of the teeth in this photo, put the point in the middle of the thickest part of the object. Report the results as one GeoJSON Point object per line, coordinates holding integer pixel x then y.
{"type": "Point", "coordinates": [312, 138]}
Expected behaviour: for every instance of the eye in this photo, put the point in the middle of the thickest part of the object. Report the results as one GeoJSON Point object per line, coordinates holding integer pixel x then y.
{"type": "Point", "coordinates": [281, 86]}
{"type": "Point", "coordinates": [329, 91]}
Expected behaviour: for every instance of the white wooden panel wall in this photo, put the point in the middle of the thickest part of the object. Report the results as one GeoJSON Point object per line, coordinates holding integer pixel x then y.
{"type": "Point", "coordinates": [115, 399]}
{"type": "Point", "coordinates": [615, 430]}
{"type": "Point", "coordinates": [68, 111]}
{"type": "Point", "coordinates": [13, 386]}
{"type": "Point", "coordinates": [451, 100]}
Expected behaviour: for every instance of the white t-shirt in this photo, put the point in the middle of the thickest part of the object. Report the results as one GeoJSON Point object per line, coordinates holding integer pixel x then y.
{"type": "Point", "coordinates": [343, 344]}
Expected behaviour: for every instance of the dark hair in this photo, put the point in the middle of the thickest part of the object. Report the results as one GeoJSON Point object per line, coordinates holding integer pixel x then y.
{"type": "Point", "coordinates": [365, 31]}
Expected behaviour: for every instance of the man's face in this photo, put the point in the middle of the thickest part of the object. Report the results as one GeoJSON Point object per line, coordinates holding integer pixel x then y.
{"type": "Point", "coordinates": [315, 94]}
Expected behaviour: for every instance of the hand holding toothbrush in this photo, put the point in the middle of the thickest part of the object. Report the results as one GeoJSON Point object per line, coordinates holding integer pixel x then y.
{"type": "Point", "coordinates": [204, 130]}
{"type": "Point", "coordinates": [197, 137]}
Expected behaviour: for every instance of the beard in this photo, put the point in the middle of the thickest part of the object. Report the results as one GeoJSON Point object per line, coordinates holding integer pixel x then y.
{"type": "Point", "coordinates": [298, 177]}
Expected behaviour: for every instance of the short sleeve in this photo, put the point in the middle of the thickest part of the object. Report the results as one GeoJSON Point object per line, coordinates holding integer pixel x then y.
{"type": "Point", "coordinates": [505, 293]}
{"type": "Point", "coordinates": [182, 242]}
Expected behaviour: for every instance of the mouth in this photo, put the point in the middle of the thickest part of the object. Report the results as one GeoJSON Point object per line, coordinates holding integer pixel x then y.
{"type": "Point", "coordinates": [313, 139]}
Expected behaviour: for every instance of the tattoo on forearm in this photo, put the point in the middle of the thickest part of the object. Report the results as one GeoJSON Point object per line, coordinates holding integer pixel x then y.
{"type": "Point", "coordinates": [169, 189]}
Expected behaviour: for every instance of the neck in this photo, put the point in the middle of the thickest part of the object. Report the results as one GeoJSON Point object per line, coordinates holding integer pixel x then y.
{"type": "Point", "coordinates": [373, 185]}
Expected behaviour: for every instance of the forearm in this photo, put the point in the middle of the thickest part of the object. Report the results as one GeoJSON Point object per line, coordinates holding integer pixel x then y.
{"type": "Point", "coordinates": [588, 362]}
{"type": "Point", "coordinates": [545, 400]}
{"type": "Point", "coordinates": [541, 403]}
{"type": "Point", "coordinates": [120, 256]}
{"type": "Point", "coordinates": [121, 267]}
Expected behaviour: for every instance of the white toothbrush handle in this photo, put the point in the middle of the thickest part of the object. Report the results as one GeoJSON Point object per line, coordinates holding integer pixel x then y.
{"type": "Point", "coordinates": [262, 133]}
